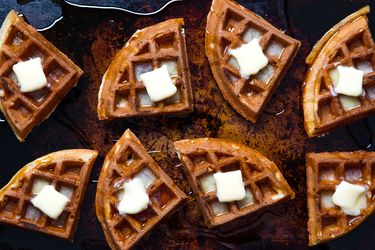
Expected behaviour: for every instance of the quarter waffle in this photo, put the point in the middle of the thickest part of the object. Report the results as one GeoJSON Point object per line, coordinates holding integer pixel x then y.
{"type": "Point", "coordinates": [128, 159]}
{"type": "Point", "coordinates": [348, 43]}
{"type": "Point", "coordinates": [20, 42]}
{"type": "Point", "coordinates": [122, 93]}
{"type": "Point", "coordinates": [228, 26]}
{"type": "Point", "coordinates": [68, 171]}
{"type": "Point", "coordinates": [264, 183]}
{"type": "Point", "coordinates": [324, 172]}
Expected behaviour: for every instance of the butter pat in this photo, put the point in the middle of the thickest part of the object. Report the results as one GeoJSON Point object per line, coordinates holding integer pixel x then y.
{"type": "Point", "coordinates": [50, 202]}
{"type": "Point", "coordinates": [229, 186]}
{"type": "Point", "coordinates": [134, 199]}
{"type": "Point", "coordinates": [351, 198]}
{"type": "Point", "coordinates": [30, 75]}
{"type": "Point", "coordinates": [158, 83]}
{"type": "Point", "coordinates": [349, 82]}
{"type": "Point", "coordinates": [250, 58]}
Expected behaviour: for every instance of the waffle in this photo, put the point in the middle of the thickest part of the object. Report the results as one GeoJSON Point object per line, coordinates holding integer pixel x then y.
{"type": "Point", "coordinates": [128, 159]}
{"type": "Point", "coordinates": [324, 172]}
{"type": "Point", "coordinates": [122, 93]}
{"type": "Point", "coordinates": [264, 183]}
{"type": "Point", "coordinates": [20, 42]}
{"type": "Point", "coordinates": [230, 25]}
{"type": "Point", "coordinates": [347, 43]}
{"type": "Point", "coordinates": [68, 171]}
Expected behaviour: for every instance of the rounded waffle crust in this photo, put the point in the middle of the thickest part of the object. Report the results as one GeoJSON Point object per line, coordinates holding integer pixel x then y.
{"type": "Point", "coordinates": [121, 91]}
{"type": "Point", "coordinates": [227, 25]}
{"type": "Point", "coordinates": [347, 43]}
{"type": "Point", "coordinates": [324, 172]}
{"type": "Point", "coordinates": [126, 160]}
{"type": "Point", "coordinates": [66, 170]}
{"type": "Point", "coordinates": [19, 42]}
{"type": "Point", "coordinates": [205, 156]}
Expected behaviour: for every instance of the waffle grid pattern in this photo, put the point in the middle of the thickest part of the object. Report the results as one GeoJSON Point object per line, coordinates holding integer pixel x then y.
{"type": "Point", "coordinates": [266, 184]}
{"type": "Point", "coordinates": [324, 172]}
{"type": "Point", "coordinates": [240, 26]}
{"type": "Point", "coordinates": [131, 160]}
{"type": "Point", "coordinates": [26, 110]}
{"type": "Point", "coordinates": [148, 49]}
{"type": "Point", "coordinates": [356, 49]}
{"type": "Point", "coordinates": [153, 59]}
{"type": "Point", "coordinates": [68, 176]}
{"type": "Point", "coordinates": [348, 43]}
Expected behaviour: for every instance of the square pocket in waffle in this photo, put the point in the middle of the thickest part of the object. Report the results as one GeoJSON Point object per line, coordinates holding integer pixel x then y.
{"type": "Point", "coordinates": [349, 43]}
{"type": "Point", "coordinates": [20, 42]}
{"type": "Point", "coordinates": [324, 172]}
{"type": "Point", "coordinates": [122, 93]}
{"type": "Point", "coordinates": [128, 159]}
{"type": "Point", "coordinates": [228, 26]}
{"type": "Point", "coordinates": [68, 171]}
{"type": "Point", "coordinates": [264, 183]}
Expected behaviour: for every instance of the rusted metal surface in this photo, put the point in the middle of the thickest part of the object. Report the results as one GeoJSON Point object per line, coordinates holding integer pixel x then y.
{"type": "Point", "coordinates": [91, 37]}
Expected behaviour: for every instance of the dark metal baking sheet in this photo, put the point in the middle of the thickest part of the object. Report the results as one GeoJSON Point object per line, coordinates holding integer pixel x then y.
{"type": "Point", "coordinates": [91, 37]}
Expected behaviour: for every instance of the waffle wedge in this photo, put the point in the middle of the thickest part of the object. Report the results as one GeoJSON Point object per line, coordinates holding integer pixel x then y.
{"type": "Point", "coordinates": [128, 159]}
{"type": "Point", "coordinates": [68, 171]}
{"type": "Point", "coordinates": [264, 183]}
{"type": "Point", "coordinates": [228, 26]}
{"type": "Point", "coordinates": [324, 172]}
{"type": "Point", "coordinates": [20, 42]}
{"type": "Point", "coordinates": [348, 43]}
{"type": "Point", "coordinates": [122, 93]}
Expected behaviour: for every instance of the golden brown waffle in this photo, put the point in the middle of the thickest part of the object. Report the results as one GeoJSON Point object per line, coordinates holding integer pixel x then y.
{"type": "Point", "coordinates": [122, 93]}
{"type": "Point", "coordinates": [128, 159]}
{"type": "Point", "coordinates": [68, 171]}
{"type": "Point", "coordinates": [21, 42]}
{"type": "Point", "coordinates": [324, 172]}
{"type": "Point", "coordinates": [228, 26]}
{"type": "Point", "coordinates": [347, 43]}
{"type": "Point", "coordinates": [201, 158]}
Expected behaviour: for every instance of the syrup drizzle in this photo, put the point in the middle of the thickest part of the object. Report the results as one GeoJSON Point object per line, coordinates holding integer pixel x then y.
{"type": "Point", "coordinates": [276, 113]}
{"type": "Point", "coordinates": [154, 152]}
{"type": "Point", "coordinates": [277, 108]}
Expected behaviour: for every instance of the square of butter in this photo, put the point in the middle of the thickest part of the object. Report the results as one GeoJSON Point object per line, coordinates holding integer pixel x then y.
{"type": "Point", "coordinates": [30, 75]}
{"type": "Point", "coordinates": [158, 83]}
{"type": "Point", "coordinates": [349, 81]}
{"type": "Point", "coordinates": [250, 58]}
{"type": "Point", "coordinates": [229, 186]}
{"type": "Point", "coordinates": [50, 202]}
{"type": "Point", "coordinates": [347, 195]}
{"type": "Point", "coordinates": [134, 198]}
